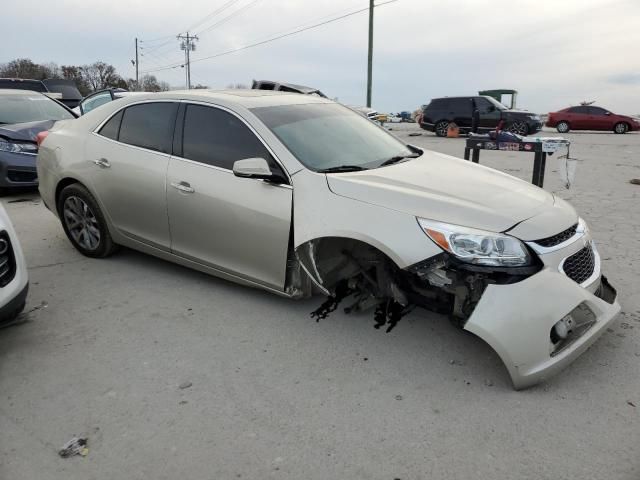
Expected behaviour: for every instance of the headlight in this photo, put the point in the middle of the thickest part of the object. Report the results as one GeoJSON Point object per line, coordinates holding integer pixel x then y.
{"type": "Point", "coordinates": [534, 117]}
{"type": "Point", "coordinates": [15, 147]}
{"type": "Point", "coordinates": [477, 246]}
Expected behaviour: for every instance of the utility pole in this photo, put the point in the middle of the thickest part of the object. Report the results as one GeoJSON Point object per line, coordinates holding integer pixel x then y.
{"type": "Point", "coordinates": [370, 54]}
{"type": "Point", "coordinates": [137, 70]}
{"type": "Point", "coordinates": [188, 45]}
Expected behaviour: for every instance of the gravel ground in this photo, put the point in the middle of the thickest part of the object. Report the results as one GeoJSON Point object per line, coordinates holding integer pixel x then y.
{"type": "Point", "coordinates": [174, 374]}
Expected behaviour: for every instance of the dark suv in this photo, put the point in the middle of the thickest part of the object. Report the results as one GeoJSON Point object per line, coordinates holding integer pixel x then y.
{"type": "Point", "coordinates": [460, 110]}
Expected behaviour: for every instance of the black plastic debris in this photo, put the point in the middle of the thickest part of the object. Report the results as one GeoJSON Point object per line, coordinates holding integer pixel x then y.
{"type": "Point", "coordinates": [75, 446]}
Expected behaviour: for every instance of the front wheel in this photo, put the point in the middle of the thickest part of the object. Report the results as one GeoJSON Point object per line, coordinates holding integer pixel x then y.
{"type": "Point", "coordinates": [441, 128]}
{"type": "Point", "coordinates": [562, 127]}
{"type": "Point", "coordinates": [620, 127]}
{"type": "Point", "coordinates": [84, 223]}
{"type": "Point", "coordinates": [519, 127]}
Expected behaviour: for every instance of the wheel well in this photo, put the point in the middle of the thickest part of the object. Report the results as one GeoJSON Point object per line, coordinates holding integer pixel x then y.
{"type": "Point", "coordinates": [327, 260]}
{"type": "Point", "coordinates": [65, 182]}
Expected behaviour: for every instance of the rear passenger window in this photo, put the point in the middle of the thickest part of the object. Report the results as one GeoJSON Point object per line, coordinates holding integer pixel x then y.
{"type": "Point", "coordinates": [217, 138]}
{"type": "Point", "coordinates": [149, 125]}
{"type": "Point", "coordinates": [584, 110]}
{"type": "Point", "coordinates": [460, 106]}
{"type": "Point", "coordinates": [112, 127]}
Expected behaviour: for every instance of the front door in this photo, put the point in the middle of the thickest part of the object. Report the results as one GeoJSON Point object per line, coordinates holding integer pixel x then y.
{"type": "Point", "coordinates": [127, 162]}
{"type": "Point", "coordinates": [488, 115]}
{"type": "Point", "coordinates": [238, 225]}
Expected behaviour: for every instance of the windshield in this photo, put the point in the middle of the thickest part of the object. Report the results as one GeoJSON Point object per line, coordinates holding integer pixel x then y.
{"type": "Point", "coordinates": [497, 104]}
{"type": "Point", "coordinates": [30, 108]}
{"type": "Point", "coordinates": [326, 136]}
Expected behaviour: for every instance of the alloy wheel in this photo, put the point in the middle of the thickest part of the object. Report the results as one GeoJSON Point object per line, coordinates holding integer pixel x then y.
{"type": "Point", "coordinates": [81, 223]}
{"type": "Point", "coordinates": [518, 127]}
{"type": "Point", "coordinates": [620, 128]}
{"type": "Point", "coordinates": [441, 128]}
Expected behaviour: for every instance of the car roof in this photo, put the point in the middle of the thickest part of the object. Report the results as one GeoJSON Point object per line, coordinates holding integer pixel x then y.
{"type": "Point", "coordinates": [247, 98]}
{"type": "Point", "coordinates": [19, 92]}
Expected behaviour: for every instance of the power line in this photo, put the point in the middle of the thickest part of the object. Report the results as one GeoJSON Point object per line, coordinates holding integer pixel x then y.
{"type": "Point", "coordinates": [228, 17]}
{"type": "Point", "coordinates": [213, 14]}
{"type": "Point", "coordinates": [278, 37]}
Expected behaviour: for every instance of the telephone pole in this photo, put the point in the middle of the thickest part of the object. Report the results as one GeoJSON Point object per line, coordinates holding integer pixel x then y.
{"type": "Point", "coordinates": [370, 54]}
{"type": "Point", "coordinates": [137, 70]}
{"type": "Point", "coordinates": [188, 45]}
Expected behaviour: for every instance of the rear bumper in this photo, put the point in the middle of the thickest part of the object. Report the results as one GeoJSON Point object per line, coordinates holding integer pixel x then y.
{"type": "Point", "coordinates": [18, 170]}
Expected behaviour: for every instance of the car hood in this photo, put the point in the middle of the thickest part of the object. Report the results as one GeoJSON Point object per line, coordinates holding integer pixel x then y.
{"type": "Point", "coordinates": [447, 189]}
{"type": "Point", "coordinates": [25, 131]}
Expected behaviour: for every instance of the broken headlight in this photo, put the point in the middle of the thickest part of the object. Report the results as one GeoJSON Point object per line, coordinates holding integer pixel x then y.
{"type": "Point", "coordinates": [477, 246]}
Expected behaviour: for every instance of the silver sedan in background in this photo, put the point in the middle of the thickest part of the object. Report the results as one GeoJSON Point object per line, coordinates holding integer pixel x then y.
{"type": "Point", "coordinates": [297, 195]}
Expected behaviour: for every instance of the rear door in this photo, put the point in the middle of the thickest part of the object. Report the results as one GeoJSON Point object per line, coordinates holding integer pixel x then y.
{"type": "Point", "coordinates": [461, 111]}
{"type": "Point", "coordinates": [579, 118]}
{"type": "Point", "coordinates": [238, 225]}
{"type": "Point", "coordinates": [127, 161]}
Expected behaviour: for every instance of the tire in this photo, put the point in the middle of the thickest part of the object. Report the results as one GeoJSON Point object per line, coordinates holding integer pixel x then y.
{"type": "Point", "coordinates": [620, 128]}
{"type": "Point", "coordinates": [519, 127]}
{"type": "Point", "coordinates": [562, 127]}
{"type": "Point", "coordinates": [89, 233]}
{"type": "Point", "coordinates": [440, 128]}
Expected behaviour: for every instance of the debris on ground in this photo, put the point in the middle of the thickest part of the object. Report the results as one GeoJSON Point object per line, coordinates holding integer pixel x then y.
{"type": "Point", "coordinates": [415, 134]}
{"type": "Point", "coordinates": [635, 181]}
{"type": "Point", "coordinates": [185, 385]}
{"type": "Point", "coordinates": [488, 383]}
{"type": "Point", "coordinates": [75, 446]}
{"type": "Point", "coordinates": [398, 397]}
{"type": "Point", "coordinates": [631, 403]}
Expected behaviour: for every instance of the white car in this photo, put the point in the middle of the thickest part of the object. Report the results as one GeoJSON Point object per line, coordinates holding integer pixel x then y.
{"type": "Point", "coordinates": [297, 194]}
{"type": "Point", "coordinates": [14, 280]}
{"type": "Point", "coordinates": [100, 98]}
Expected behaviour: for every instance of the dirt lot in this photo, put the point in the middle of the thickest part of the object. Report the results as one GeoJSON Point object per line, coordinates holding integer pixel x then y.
{"type": "Point", "coordinates": [107, 344]}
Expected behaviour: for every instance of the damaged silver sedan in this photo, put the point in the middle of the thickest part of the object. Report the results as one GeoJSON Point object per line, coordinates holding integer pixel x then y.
{"type": "Point", "coordinates": [298, 195]}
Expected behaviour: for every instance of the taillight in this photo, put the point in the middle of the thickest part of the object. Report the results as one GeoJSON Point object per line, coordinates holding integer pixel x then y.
{"type": "Point", "coordinates": [41, 136]}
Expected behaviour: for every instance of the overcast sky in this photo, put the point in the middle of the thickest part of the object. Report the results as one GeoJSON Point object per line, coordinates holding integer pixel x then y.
{"type": "Point", "coordinates": [555, 53]}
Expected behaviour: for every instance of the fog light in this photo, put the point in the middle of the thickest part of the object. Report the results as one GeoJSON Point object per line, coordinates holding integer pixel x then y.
{"type": "Point", "coordinates": [4, 246]}
{"type": "Point", "coordinates": [562, 329]}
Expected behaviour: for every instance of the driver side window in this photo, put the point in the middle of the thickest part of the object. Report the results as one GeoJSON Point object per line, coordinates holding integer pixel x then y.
{"type": "Point", "coordinates": [95, 101]}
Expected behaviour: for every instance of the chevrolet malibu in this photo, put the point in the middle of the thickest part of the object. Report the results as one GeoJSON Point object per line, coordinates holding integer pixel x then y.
{"type": "Point", "coordinates": [299, 195]}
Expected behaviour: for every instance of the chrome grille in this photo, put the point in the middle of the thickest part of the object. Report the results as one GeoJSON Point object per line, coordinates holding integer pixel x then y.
{"type": "Point", "coordinates": [558, 238]}
{"type": "Point", "coordinates": [580, 266]}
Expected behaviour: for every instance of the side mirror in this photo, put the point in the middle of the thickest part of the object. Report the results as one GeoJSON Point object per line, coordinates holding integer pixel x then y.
{"type": "Point", "coordinates": [491, 108]}
{"type": "Point", "coordinates": [253, 168]}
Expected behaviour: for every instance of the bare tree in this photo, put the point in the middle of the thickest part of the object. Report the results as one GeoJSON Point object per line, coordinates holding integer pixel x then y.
{"type": "Point", "coordinates": [100, 75]}
{"type": "Point", "coordinates": [25, 68]}
{"type": "Point", "coordinates": [200, 87]}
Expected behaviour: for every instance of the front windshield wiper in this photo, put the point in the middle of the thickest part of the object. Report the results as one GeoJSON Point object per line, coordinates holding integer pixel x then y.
{"type": "Point", "coordinates": [342, 168]}
{"type": "Point", "coordinates": [399, 158]}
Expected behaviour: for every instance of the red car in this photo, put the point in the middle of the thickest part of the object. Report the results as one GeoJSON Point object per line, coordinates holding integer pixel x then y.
{"type": "Point", "coordinates": [590, 117]}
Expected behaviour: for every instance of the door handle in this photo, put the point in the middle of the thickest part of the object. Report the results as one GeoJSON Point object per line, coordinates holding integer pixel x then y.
{"type": "Point", "coordinates": [183, 187]}
{"type": "Point", "coordinates": [102, 163]}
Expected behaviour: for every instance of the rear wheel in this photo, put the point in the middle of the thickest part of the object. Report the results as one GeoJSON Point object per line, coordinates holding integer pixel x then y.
{"type": "Point", "coordinates": [519, 127]}
{"type": "Point", "coordinates": [562, 127]}
{"type": "Point", "coordinates": [441, 128]}
{"type": "Point", "coordinates": [620, 127]}
{"type": "Point", "coordinates": [84, 223]}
